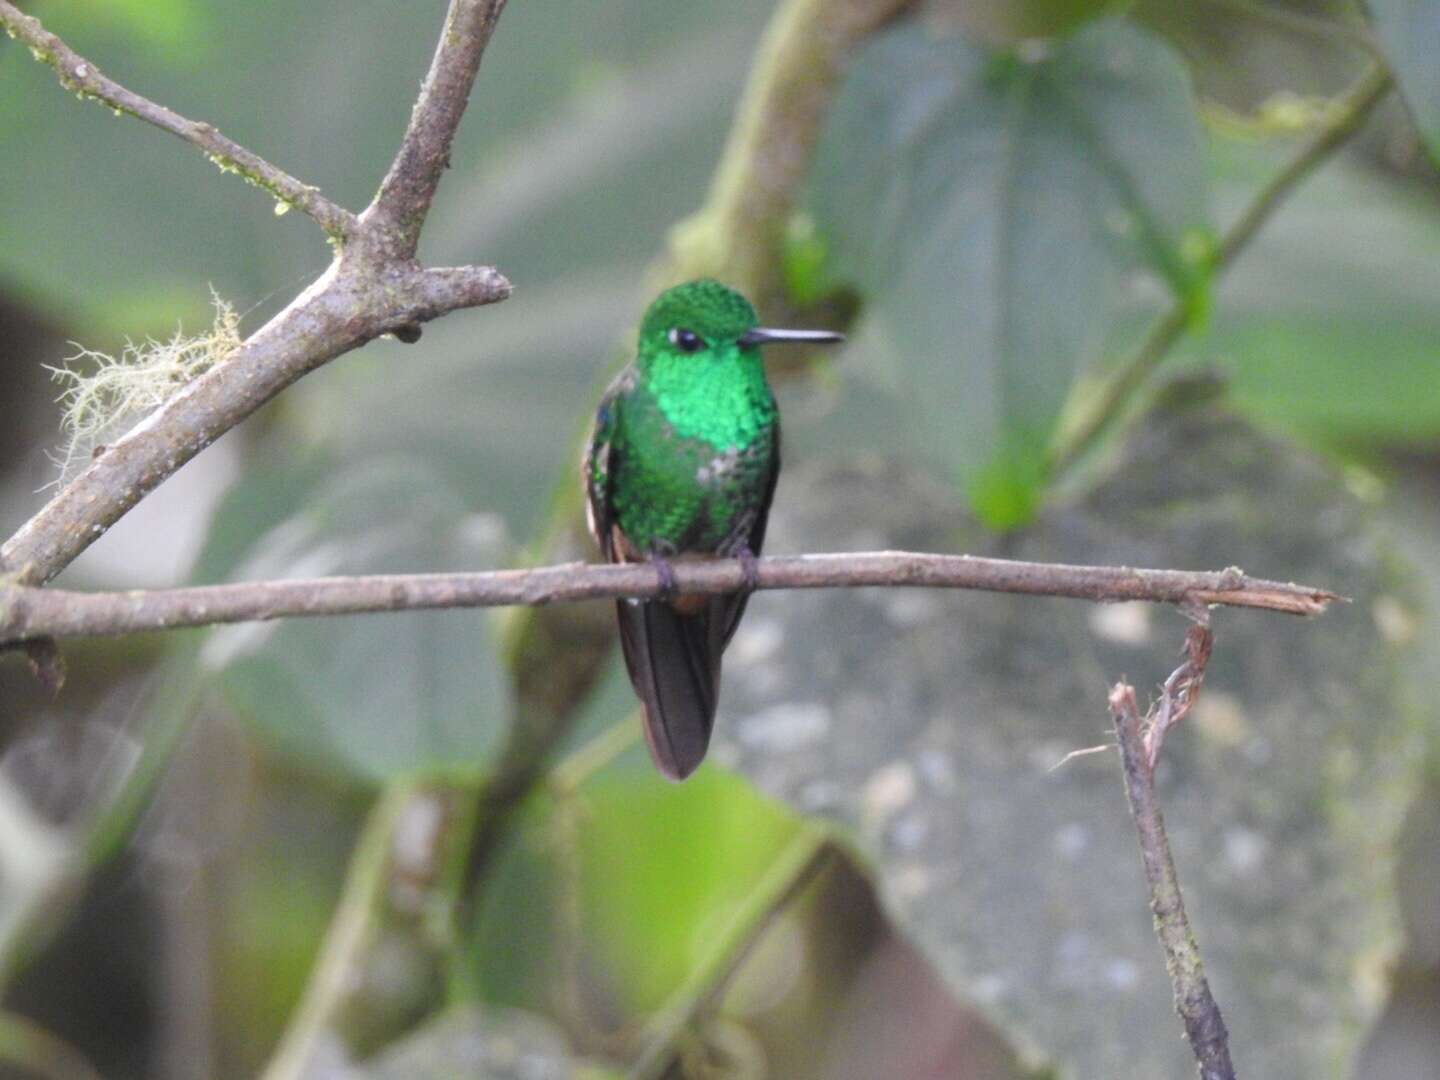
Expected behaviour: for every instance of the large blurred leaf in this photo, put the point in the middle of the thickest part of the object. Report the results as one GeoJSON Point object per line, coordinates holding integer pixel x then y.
{"type": "Point", "coordinates": [1409, 31]}
{"type": "Point", "coordinates": [931, 724]}
{"type": "Point", "coordinates": [663, 867]}
{"type": "Point", "coordinates": [991, 205]}
{"type": "Point", "coordinates": [369, 695]}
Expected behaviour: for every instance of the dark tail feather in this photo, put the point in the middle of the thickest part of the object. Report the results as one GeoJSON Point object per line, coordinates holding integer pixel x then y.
{"type": "Point", "coordinates": [674, 664]}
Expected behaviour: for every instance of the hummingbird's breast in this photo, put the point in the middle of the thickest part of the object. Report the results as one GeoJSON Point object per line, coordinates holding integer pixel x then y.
{"type": "Point", "coordinates": [677, 493]}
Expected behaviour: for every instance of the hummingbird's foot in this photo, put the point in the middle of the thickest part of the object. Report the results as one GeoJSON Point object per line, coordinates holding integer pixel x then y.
{"type": "Point", "coordinates": [668, 589]}
{"type": "Point", "coordinates": [749, 569]}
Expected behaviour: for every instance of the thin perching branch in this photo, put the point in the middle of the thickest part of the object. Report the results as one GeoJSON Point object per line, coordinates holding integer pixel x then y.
{"type": "Point", "coordinates": [82, 76]}
{"type": "Point", "coordinates": [373, 287]}
{"type": "Point", "coordinates": [1204, 1026]}
{"type": "Point", "coordinates": [27, 612]}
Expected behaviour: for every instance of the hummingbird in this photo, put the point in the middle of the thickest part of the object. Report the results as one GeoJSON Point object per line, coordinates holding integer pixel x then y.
{"type": "Point", "coordinates": [682, 465]}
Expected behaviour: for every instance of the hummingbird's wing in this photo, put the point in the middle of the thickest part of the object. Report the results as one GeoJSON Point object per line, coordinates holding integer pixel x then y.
{"type": "Point", "coordinates": [667, 654]}
{"type": "Point", "coordinates": [598, 467]}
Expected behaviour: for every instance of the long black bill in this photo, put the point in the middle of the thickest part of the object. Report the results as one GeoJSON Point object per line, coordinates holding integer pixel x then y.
{"type": "Point", "coordinates": [765, 336]}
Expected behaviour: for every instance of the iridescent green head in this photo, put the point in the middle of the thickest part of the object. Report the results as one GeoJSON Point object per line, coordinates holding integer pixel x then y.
{"type": "Point", "coordinates": [706, 320]}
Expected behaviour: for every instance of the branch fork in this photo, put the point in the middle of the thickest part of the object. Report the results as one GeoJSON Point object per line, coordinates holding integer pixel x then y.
{"type": "Point", "coordinates": [373, 287]}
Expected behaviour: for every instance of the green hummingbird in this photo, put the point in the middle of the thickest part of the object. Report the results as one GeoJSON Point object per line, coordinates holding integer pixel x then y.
{"type": "Point", "coordinates": [682, 465]}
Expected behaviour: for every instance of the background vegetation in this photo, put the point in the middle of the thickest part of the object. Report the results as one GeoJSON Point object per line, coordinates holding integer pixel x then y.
{"type": "Point", "coordinates": [1066, 343]}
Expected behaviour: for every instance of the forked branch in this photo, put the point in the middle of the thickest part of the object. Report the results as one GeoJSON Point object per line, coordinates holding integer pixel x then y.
{"type": "Point", "coordinates": [373, 287]}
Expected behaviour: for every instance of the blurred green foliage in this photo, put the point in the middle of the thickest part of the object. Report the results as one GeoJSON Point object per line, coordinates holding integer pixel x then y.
{"type": "Point", "coordinates": [627, 876]}
{"type": "Point", "coordinates": [1328, 328]}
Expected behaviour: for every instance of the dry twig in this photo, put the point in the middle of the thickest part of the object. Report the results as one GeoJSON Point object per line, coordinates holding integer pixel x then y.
{"type": "Point", "coordinates": [1140, 739]}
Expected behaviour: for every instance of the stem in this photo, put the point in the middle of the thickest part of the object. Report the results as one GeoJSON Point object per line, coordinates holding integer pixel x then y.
{"type": "Point", "coordinates": [27, 612]}
{"type": "Point", "coordinates": [1348, 113]}
{"type": "Point", "coordinates": [39, 905]}
{"type": "Point", "coordinates": [382, 966]}
{"type": "Point", "coordinates": [1314, 26]}
{"type": "Point", "coordinates": [1204, 1026]}
{"type": "Point", "coordinates": [738, 236]}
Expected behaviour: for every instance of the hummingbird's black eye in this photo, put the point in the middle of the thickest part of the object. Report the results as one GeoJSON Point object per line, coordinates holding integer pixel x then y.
{"type": "Point", "coordinates": [686, 340]}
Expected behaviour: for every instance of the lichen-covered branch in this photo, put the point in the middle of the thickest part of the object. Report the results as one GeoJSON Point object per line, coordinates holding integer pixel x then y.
{"type": "Point", "coordinates": [373, 287]}
{"type": "Point", "coordinates": [27, 612]}
{"type": "Point", "coordinates": [1204, 1026]}
{"type": "Point", "coordinates": [353, 303]}
{"type": "Point", "coordinates": [82, 76]}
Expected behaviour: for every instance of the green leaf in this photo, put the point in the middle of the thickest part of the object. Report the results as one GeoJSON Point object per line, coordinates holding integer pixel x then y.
{"type": "Point", "coordinates": [1409, 32]}
{"type": "Point", "coordinates": [370, 696]}
{"type": "Point", "coordinates": [929, 726]}
{"type": "Point", "coordinates": [665, 866]}
{"type": "Point", "coordinates": [992, 207]}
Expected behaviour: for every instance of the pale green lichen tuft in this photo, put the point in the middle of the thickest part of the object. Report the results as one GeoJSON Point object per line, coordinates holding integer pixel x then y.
{"type": "Point", "coordinates": [106, 394]}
